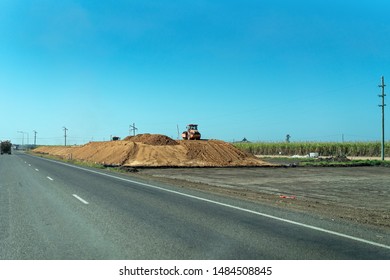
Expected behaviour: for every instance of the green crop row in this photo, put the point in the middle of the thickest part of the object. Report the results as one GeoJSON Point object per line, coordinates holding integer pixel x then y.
{"type": "Point", "coordinates": [367, 149]}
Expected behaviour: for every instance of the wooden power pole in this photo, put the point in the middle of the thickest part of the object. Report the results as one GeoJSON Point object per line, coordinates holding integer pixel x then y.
{"type": "Point", "coordinates": [65, 129]}
{"type": "Point", "coordinates": [133, 128]}
{"type": "Point", "coordinates": [382, 85]}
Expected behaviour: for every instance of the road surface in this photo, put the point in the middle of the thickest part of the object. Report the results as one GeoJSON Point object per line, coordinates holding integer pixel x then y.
{"type": "Point", "coordinates": [52, 210]}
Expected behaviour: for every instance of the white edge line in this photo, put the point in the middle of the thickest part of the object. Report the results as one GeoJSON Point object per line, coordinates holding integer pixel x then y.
{"type": "Point", "coordinates": [79, 198]}
{"type": "Point", "coordinates": [51, 179]}
{"type": "Point", "coordinates": [233, 207]}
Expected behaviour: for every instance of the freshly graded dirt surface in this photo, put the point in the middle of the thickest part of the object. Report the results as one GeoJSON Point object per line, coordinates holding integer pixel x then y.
{"type": "Point", "coordinates": [154, 150]}
{"type": "Point", "coordinates": [355, 194]}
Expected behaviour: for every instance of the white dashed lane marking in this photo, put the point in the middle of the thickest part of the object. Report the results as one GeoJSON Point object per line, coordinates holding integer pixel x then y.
{"type": "Point", "coordinates": [79, 198]}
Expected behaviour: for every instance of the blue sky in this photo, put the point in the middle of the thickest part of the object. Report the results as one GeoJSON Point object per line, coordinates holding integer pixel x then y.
{"type": "Point", "coordinates": [254, 69]}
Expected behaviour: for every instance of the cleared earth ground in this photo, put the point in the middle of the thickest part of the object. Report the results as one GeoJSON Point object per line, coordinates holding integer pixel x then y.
{"type": "Point", "coordinates": [357, 194]}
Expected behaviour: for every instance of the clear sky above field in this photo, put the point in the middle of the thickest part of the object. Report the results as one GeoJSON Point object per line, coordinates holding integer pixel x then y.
{"type": "Point", "coordinates": [248, 68]}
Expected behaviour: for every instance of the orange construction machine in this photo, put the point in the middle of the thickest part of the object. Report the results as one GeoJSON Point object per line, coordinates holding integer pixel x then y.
{"type": "Point", "coordinates": [191, 133]}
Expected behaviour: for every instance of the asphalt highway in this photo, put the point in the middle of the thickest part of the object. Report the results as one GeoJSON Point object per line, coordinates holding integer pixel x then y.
{"type": "Point", "coordinates": [52, 210]}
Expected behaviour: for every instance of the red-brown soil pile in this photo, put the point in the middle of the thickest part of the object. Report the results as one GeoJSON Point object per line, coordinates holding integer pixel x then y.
{"type": "Point", "coordinates": [152, 139]}
{"type": "Point", "coordinates": [154, 150]}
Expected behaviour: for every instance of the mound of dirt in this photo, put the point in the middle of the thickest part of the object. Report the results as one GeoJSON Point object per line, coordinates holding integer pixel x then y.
{"type": "Point", "coordinates": [154, 150]}
{"type": "Point", "coordinates": [152, 139]}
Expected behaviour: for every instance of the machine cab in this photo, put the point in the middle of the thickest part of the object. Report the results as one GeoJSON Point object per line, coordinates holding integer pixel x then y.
{"type": "Point", "coordinates": [192, 127]}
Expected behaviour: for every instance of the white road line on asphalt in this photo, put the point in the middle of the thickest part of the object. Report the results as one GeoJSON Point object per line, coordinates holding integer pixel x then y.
{"type": "Point", "coordinates": [231, 206]}
{"type": "Point", "coordinates": [79, 198]}
{"type": "Point", "coordinates": [51, 179]}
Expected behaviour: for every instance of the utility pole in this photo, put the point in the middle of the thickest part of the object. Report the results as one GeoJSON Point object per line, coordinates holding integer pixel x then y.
{"type": "Point", "coordinates": [22, 132]}
{"type": "Point", "coordinates": [35, 138]}
{"type": "Point", "coordinates": [382, 85]}
{"type": "Point", "coordinates": [133, 128]}
{"type": "Point", "coordinates": [65, 129]}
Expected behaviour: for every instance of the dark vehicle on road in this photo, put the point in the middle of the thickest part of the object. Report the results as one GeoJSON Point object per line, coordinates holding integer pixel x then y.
{"type": "Point", "coordinates": [5, 147]}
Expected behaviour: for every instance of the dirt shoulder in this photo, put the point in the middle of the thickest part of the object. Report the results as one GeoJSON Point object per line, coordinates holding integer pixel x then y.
{"type": "Point", "coordinates": [357, 194]}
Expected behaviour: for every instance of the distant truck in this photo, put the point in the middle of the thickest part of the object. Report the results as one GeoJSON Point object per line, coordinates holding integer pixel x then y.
{"type": "Point", "coordinates": [5, 147]}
